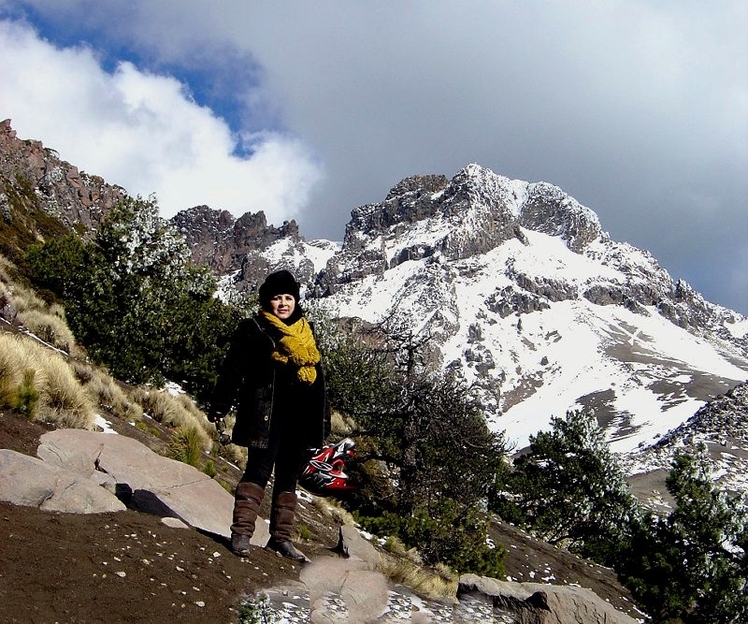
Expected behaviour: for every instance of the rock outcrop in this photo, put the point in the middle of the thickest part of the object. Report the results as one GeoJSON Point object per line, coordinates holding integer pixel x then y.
{"type": "Point", "coordinates": [32, 482]}
{"type": "Point", "coordinates": [90, 472]}
{"type": "Point", "coordinates": [34, 177]}
{"type": "Point", "coordinates": [535, 603]}
{"type": "Point", "coordinates": [221, 242]}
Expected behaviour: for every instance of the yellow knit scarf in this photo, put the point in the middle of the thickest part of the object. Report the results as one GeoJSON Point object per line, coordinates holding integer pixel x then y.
{"type": "Point", "coordinates": [296, 346]}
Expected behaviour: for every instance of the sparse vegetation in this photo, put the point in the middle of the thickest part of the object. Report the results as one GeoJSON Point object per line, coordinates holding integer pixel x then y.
{"type": "Point", "coordinates": [134, 301]}
{"type": "Point", "coordinates": [42, 384]}
{"type": "Point", "coordinates": [146, 427]}
{"type": "Point", "coordinates": [209, 468]}
{"type": "Point", "coordinates": [50, 328]}
{"type": "Point", "coordinates": [65, 391]}
{"type": "Point", "coordinates": [304, 531]}
{"type": "Point", "coordinates": [174, 412]}
{"type": "Point", "coordinates": [185, 446]}
{"type": "Point", "coordinates": [256, 610]}
{"type": "Point", "coordinates": [436, 582]}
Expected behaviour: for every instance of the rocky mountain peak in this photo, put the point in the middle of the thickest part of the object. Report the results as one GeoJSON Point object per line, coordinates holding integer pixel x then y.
{"type": "Point", "coordinates": [547, 209]}
{"type": "Point", "coordinates": [221, 242]}
{"type": "Point", "coordinates": [475, 211]}
{"type": "Point", "coordinates": [528, 300]}
{"type": "Point", "coordinates": [418, 184]}
{"type": "Point", "coordinates": [33, 177]}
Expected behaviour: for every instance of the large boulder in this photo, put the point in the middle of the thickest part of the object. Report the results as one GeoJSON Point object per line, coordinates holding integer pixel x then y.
{"type": "Point", "coordinates": [536, 603]}
{"type": "Point", "coordinates": [144, 479]}
{"type": "Point", "coordinates": [29, 481]}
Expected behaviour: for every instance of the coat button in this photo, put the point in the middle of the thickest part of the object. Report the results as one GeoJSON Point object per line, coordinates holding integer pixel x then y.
{"type": "Point", "coordinates": [266, 417]}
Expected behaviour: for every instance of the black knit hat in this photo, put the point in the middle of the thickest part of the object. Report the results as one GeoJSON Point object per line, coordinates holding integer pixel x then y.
{"type": "Point", "coordinates": [278, 283]}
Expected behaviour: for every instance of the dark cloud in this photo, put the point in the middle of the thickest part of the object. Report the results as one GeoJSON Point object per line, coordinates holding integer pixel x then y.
{"type": "Point", "coordinates": [637, 109]}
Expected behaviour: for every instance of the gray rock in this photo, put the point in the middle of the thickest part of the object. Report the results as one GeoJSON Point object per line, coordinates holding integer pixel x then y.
{"type": "Point", "coordinates": [154, 484]}
{"type": "Point", "coordinates": [31, 482]}
{"type": "Point", "coordinates": [362, 593]}
{"type": "Point", "coordinates": [536, 603]}
{"type": "Point", "coordinates": [353, 545]}
{"type": "Point", "coordinates": [174, 523]}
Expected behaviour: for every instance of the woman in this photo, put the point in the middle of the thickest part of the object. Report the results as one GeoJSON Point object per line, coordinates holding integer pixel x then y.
{"type": "Point", "coordinates": [274, 374]}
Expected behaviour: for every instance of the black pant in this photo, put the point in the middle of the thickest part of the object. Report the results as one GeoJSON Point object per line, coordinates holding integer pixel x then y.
{"type": "Point", "coordinates": [285, 451]}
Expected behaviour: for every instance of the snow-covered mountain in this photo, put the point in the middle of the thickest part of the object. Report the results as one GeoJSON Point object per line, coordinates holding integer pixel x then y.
{"type": "Point", "coordinates": [527, 298]}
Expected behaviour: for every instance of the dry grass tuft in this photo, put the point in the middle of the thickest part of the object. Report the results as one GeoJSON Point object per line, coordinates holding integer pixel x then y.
{"type": "Point", "coordinates": [332, 509]}
{"type": "Point", "coordinates": [172, 411]}
{"type": "Point", "coordinates": [189, 406]}
{"type": "Point", "coordinates": [45, 321]}
{"type": "Point", "coordinates": [105, 391]}
{"type": "Point", "coordinates": [434, 583]}
{"type": "Point", "coordinates": [6, 266]}
{"type": "Point", "coordinates": [25, 299]}
{"type": "Point", "coordinates": [27, 366]}
{"type": "Point", "coordinates": [51, 328]}
{"type": "Point", "coordinates": [341, 425]}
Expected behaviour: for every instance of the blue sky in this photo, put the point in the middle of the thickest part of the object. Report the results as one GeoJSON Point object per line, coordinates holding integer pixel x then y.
{"type": "Point", "coordinates": [307, 110]}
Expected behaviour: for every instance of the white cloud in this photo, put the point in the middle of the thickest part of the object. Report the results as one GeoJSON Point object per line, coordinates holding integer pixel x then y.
{"type": "Point", "coordinates": [144, 132]}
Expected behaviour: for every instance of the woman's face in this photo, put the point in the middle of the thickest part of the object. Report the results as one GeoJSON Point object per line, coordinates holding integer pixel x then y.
{"type": "Point", "coordinates": [282, 306]}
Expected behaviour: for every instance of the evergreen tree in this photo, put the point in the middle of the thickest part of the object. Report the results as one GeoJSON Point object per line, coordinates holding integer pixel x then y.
{"type": "Point", "coordinates": [693, 563]}
{"type": "Point", "coordinates": [133, 299]}
{"type": "Point", "coordinates": [570, 489]}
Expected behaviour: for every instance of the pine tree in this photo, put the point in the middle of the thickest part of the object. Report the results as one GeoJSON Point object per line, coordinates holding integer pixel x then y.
{"type": "Point", "coordinates": [134, 301]}
{"type": "Point", "coordinates": [693, 563]}
{"type": "Point", "coordinates": [570, 489]}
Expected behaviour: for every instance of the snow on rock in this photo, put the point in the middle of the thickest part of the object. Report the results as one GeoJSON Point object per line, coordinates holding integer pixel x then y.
{"type": "Point", "coordinates": [528, 300]}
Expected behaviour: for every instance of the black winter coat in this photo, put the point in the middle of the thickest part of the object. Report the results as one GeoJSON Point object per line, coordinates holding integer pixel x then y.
{"type": "Point", "coordinates": [259, 386]}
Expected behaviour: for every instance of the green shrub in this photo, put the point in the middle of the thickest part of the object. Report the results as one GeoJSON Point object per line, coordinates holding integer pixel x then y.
{"type": "Point", "coordinates": [447, 534]}
{"type": "Point", "coordinates": [186, 446]}
{"type": "Point", "coordinates": [305, 532]}
{"type": "Point", "coordinates": [25, 397]}
{"type": "Point", "coordinates": [210, 469]}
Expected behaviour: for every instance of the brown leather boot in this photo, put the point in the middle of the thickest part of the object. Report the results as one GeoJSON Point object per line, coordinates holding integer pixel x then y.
{"type": "Point", "coordinates": [281, 527]}
{"type": "Point", "coordinates": [247, 501]}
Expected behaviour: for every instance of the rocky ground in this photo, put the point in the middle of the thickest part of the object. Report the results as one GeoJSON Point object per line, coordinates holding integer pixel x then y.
{"type": "Point", "coordinates": [130, 566]}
